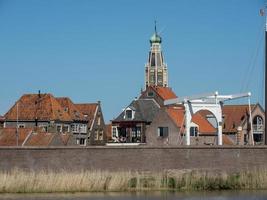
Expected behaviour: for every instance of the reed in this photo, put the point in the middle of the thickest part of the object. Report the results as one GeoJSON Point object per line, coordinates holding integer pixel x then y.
{"type": "Point", "coordinates": [19, 181]}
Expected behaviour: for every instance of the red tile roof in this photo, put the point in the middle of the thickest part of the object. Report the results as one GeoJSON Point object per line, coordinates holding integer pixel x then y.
{"type": "Point", "coordinates": [227, 140]}
{"type": "Point", "coordinates": [177, 115]}
{"type": "Point", "coordinates": [71, 109]}
{"type": "Point", "coordinates": [204, 125]}
{"type": "Point", "coordinates": [65, 138]}
{"type": "Point", "coordinates": [234, 115]}
{"type": "Point", "coordinates": [88, 110]}
{"type": "Point", "coordinates": [164, 92]}
{"type": "Point", "coordinates": [34, 106]}
{"type": "Point", "coordinates": [8, 136]}
{"type": "Point", "coordinates": [39, 139]}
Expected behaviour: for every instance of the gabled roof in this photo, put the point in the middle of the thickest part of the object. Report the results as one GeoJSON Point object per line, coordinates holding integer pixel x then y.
{"type": "Point", "coordinates": [71, 109]}
{"type": "Point", "coordinates": [234, 115]}
{"type": "Point", "coordinates": [39, 139]}
{"type": "Point", "coordinates": [227, 140]}
{"type": "Point", "coordinates": [164, 92]}
{"type": "Point", "coordinates": [203, 124]}
{"type": "Point", "coordinates": [88, 110]}
{"type": "Point", "coordinates": [145, 110]}
{"type": "Point", "coordinates": [44, 107]}
{"type": "Point", "coordinates": [177, 114]}
{"type": "Point", "coordinates": [8, 136]}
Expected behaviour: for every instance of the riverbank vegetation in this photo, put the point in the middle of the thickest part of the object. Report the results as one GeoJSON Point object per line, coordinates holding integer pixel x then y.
{"type": "Point", "coordinates": [18, 181]}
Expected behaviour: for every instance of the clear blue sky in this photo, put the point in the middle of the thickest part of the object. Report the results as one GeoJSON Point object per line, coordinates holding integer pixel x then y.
{"type": "Point", "coordinates": [93, 50]}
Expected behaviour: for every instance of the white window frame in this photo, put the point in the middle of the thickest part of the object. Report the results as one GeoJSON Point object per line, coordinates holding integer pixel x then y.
{"type": "Point", "coordinates": [114, 132]}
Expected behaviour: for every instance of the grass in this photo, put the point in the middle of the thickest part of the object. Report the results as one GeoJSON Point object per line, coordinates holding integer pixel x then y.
{"type": "Point", "coordinates": [18, 181]}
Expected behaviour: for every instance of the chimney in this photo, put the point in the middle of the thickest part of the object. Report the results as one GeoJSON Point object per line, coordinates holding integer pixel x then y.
{"type": "Point", "coordinates": [39, 93]}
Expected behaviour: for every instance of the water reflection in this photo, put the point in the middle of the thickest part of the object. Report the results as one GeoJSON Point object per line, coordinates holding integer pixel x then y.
{"type": "Point", "coordinates": [218, 195]}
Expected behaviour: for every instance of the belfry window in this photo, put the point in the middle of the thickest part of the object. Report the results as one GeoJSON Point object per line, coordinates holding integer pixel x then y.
{"type": "Point", "coordinates": [153, 63]}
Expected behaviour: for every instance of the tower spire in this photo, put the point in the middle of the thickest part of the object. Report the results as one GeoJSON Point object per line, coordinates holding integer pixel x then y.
{"type": "Point", "coordinates": [155, 26]}
{"type": "Point", "coordinates": [156, 73]}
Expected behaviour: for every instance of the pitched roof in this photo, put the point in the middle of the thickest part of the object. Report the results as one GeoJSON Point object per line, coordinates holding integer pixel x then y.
{"type": "Point", "coordinates": [227, 140]}
{"type": "Point", "coordinates": [176, 113]}
{"type": "Point", "coordinates": [39, 139]}
{"type": "Point", "coordinates": [88, 110]}
{"type": "Point", "coordinates": [234, 115]}
{"type": "Point", "coordinates": [8, 136]}
{"type": "Point", "coordinates": [37, 106]}
{"type": "Point", "coordinates": [164, 92]}
{"type": "Point", "coordinates": [203, 124]}
{"type": "Point", "coordinates": [71, 108]}
{"type": "Point", "coordinates": [145, 110]}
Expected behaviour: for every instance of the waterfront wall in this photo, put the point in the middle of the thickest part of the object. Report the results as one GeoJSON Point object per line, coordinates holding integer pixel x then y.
{"type": "Point", "coordinates": [133, 158]}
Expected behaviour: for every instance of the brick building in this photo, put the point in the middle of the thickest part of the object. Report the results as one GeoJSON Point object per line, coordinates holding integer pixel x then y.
{"type": "Point", "coordinates": [130, 126]}
{"type": "Point", "coordinates": [58, 115]}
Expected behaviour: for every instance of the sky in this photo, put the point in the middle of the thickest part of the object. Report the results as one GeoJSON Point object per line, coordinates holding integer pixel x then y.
{"type": "Point", "coordinates": [92, 50]}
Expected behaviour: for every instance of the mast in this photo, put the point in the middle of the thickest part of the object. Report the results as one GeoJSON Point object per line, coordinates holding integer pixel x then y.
{"type": "Point", "coordinates": [265, 85]}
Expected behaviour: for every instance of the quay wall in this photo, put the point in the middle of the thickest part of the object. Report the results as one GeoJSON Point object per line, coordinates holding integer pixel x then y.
{"type": "Point", "coordinates": [141, 158]}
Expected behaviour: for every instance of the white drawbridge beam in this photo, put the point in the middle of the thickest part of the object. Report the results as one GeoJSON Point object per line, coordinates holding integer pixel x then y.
{"type": "Point", "coordinates": [211, 101]}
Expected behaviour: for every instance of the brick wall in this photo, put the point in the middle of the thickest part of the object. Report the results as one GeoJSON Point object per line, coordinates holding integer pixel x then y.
{"type": "Point", "coordinates": [132, 158]}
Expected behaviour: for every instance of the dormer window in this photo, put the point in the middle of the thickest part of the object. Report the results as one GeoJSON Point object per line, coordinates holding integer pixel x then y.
{"type": "Point", "coordinates": [150, 94]}
{"type": "Point", "coordinates": [129, 113]}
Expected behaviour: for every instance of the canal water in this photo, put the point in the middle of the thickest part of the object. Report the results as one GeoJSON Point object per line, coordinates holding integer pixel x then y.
{"type": "Point", "coordinates": [217, 195]}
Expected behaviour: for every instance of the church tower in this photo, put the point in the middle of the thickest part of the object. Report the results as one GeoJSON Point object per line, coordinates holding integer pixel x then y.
{"type": "Point", "coordinates": [156, 73]}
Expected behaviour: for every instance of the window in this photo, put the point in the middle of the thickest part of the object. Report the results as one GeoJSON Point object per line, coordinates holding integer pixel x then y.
{"type": "Point", "coordinates": [83, 128]}
{"type": "Point", "coordinates": [75, 128]}
{"type": "Point", "coordinates": [257, 123]}
{"type": "Point", "coordinates": [66, 129]}
{"type": "Point", "coordinates": [114, 131]}
{"type": "Point", "coordinates": [98, 121]}
{"type": "Point", "coordinates": [96, 134]}
{"type": "Point", "coordinates": [21, 125]}
{"type": "Point", "coordinates": [82, 141]}
{"type": "Point", "coordinates": [101, 135]}
{"type": "Point", "coordinates": [129, 114]}
{"type": "Point", "coordinates": [138, 131]}
{"type": "Point", "coordinates": [194, 131]}
{"type": "Point", "coordinates": [59, 128]}
{"type": "Point", "coordinates": [153, 63]}
{"type": "Point", "coordinates": [150, 94]}
{"type": "Point", "coordinates": [163, 131]}
{"type": "Point", "coordinates": [44, 128]}
{"type": "Point", "coordinates": [258, 137]}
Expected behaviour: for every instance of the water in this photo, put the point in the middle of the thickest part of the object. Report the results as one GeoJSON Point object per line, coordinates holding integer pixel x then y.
{"type": "Point", "coordinates": [218, 195]}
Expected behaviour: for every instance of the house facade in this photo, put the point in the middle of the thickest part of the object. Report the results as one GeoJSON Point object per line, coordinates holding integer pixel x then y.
{"type": "Point", "coordinates": [130, 126]}
{"type": "Point", "coordinates": [236, 124]}
{"type": "Point", "coordinates": [168, 128]}
{"type": "Point", "coordinates": [97, 134]}
{"type": "Point", "coordinates": [52, 115]}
